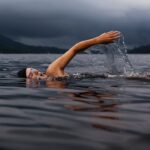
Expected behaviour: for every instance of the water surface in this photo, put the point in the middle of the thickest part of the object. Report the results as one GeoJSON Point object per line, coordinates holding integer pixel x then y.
{"type": "Point", "coordinates": [89, 113]}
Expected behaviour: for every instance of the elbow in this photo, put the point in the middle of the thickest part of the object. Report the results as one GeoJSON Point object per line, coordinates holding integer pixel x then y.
{"type": "Point", "coordinates": [79, 47]}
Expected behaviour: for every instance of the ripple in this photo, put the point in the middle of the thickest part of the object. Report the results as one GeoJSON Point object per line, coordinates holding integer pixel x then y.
{"type": "Point", "coordinates": [87, 111]}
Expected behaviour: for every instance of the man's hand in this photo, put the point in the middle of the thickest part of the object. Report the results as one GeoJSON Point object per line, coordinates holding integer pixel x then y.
{"type": "Point", "coordinates": [107, 37]}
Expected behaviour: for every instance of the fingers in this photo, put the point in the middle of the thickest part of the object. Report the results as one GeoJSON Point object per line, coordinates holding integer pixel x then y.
{"type": "Point", "coordinates": [109, 37]}
{"type": "Point", "coordinates": [114, 32]}
{"type": "Point", "coordinates": [114, 35]}
{"type": "Point", "coordinates": [116, 38]}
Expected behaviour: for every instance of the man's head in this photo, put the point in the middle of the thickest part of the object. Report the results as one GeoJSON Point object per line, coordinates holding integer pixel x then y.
{"type": "Point", "coordinates": [22, 73]}
{"type": "Point", "coordinates": [29, 73]}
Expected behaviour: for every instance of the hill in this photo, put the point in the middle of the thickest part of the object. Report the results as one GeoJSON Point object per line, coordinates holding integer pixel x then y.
{"type": "Point", "coordinates": [140, 50]}
{"type": "Point", "coordinates": [8, 45]}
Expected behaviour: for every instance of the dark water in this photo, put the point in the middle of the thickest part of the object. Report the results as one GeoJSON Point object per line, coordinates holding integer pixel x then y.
{"type": "Point", "coordinates": [90, 113]}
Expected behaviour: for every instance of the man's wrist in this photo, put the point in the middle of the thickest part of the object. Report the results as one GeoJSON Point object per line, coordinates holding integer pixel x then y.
{"type": "Point", "coordinates": [98, 40]}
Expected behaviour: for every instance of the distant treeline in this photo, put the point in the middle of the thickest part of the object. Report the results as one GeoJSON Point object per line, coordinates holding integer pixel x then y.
{"type": "Point", "coordinates": [31, 49]}
{"type": "Point", "coordinates": [8, 45]}
{"type": "Point", "coordinates": [140, 50]}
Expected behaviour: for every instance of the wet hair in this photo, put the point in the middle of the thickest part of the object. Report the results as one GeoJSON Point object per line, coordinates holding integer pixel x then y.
{"type": "Point", "coordinates": [22, 73]}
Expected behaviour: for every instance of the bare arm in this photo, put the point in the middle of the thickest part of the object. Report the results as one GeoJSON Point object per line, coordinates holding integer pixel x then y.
{"type": "Point", "coordinates": [57, 67]}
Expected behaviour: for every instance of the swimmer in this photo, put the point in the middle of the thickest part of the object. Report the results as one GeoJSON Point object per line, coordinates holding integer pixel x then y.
{"type": "Point", "coordinates": [57, 67]}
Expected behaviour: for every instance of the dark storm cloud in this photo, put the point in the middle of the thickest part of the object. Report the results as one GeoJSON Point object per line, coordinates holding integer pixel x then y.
{"type": "Point", "coordinates": [42, 18]}
{"type": "Point", "coordinates": [55, 20]}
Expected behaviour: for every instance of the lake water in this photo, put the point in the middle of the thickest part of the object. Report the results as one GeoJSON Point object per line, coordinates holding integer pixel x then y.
{"type": "Point", "coordinates": [88, 113]}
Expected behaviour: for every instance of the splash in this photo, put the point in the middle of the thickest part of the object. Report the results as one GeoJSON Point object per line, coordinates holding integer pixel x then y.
{"type": "Point", "coordinates": [117, 60]}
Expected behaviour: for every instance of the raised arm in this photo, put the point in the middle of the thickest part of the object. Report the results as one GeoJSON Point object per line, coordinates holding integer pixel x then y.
{"type": "Point", "coordinates": [57, 67]}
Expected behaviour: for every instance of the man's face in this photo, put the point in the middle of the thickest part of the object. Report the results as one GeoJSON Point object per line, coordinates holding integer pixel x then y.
{"type": "Point", "coordinates": [33, 73]}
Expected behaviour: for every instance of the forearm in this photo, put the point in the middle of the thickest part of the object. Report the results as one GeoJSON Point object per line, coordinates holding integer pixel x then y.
{"type": "Point", "coordinates": [83, 45]}
{"type": "Point", "coordinates": [106, 38]}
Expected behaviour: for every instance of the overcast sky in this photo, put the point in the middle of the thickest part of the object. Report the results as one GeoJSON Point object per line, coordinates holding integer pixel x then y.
{"type": "Point", "coordinates": [61, 23]}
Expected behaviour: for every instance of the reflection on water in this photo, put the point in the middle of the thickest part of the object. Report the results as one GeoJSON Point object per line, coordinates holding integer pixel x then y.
{"type": "Point", "coordinates": [96, 101]}
{"type": "Point", "coordinates": [87, 113]}
{"type": "Point", "coordinates": [48, 83]}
